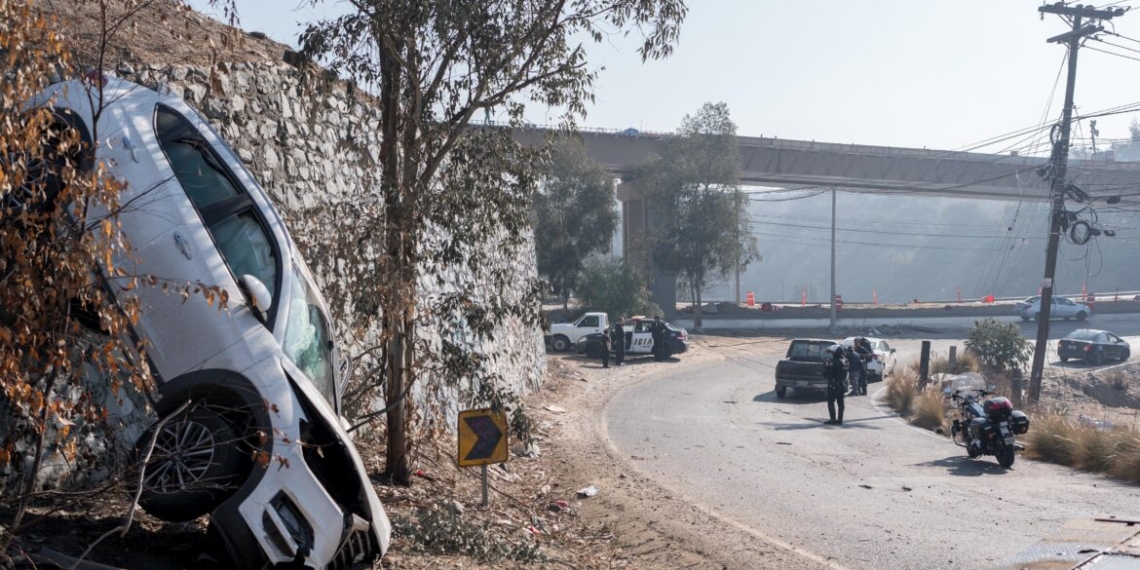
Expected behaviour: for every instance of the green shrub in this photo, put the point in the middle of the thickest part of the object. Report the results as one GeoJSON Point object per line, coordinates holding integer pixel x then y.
{"type": "Point", "coordinates": [609, 285]}
{"type": "Point", "coordinates": [1000, 346]}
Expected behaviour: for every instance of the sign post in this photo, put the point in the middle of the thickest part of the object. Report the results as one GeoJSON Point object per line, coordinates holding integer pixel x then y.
{"type": "Point", "coordinates": [482, 440]}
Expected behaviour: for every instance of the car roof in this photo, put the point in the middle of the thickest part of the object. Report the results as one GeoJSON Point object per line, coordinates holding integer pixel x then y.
{"type": "Point", "coordinates": [1087, 331]}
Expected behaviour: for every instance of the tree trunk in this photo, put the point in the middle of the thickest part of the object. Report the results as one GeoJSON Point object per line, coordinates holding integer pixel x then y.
{"type": "Point", "coordinates": [697, 320]}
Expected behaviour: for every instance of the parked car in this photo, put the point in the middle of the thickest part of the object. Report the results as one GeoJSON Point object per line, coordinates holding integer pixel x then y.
{"type": "Point", "coordinates": [1062, 308]}
{"type": "Point", "coordinates": [1093, 346]}
{"type": "Point", "coordinates": [803, 366]}
{"type": "Point", "coordinates": [638, 339]}
{"type": "Point", "coordinates": [250, 430]}
{"type": "Point", "coordinates": [882, 361]}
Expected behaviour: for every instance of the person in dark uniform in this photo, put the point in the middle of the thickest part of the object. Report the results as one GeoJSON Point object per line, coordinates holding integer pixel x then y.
{"type": "Point", "coordinates": [617, 339]}
{"type": "Point", "coordinates": [836, 375]}
{"type": "Point", "coordinates": [605, 349]}
{"type": "Point", "coordinates": [856, 371]}
{"type": "Point", "coordinates": [660, 351]}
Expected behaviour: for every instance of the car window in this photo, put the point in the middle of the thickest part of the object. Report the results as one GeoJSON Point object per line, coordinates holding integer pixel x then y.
{"type": "Point", "coordinates": [228, 212]}
{"type": "Point", "coordinates": [644, 326]}
{"type": "Point", "coordinates": [308, 342]}
{"type": "Point", "coordinates": [1113, 338]}
{"type": "Point", "coordinates": [589, 321]}
{"type": "Point", "coordinates": [1082, 334]}
{"type": "Point", "coordinates": [246, 248]}
{"type": "Point", "coordinates": [1065, 301]}
{"type": "Point", "coordinates": [883, 346]}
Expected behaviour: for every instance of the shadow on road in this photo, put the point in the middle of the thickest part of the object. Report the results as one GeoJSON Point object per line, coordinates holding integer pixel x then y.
{"type": "Point", "coordinates": [817, 422]}
{"type": "Point", "coordinates": [794, 398]}
{"type": "Point", "coordinates": [963, 466]}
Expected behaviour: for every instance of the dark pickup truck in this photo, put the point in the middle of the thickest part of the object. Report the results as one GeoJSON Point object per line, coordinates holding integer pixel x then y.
{"type": "Point", "coordinates": [802, 368]}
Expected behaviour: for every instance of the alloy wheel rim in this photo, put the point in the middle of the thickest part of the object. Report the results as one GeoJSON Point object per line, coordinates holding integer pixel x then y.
{"type": "Point", "coordinates": [183, 453]}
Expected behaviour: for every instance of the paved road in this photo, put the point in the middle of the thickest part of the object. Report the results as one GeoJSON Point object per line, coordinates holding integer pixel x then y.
{"type": "Point", "coordinates": [874, 493]}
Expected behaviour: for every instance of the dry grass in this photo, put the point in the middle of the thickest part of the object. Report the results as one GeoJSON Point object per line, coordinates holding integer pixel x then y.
{"type": "Point", "coordinates": [1113, 451]}
{"type": "Point", "coordinates": [929, 409]}
{"type": "Point", "coordinates": [965, 361]}
{"type": "Point", "coordinates": [902, 389]}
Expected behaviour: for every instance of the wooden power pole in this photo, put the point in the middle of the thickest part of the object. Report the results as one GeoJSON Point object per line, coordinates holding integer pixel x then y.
{"type": "Point", "coordinates": [1056, 171]}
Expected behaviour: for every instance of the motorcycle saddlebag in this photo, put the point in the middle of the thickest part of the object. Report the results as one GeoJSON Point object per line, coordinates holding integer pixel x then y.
{"type": "Point", "coordinates": [1019, 422]}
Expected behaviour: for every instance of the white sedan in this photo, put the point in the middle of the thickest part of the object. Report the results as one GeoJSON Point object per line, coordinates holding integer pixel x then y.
{"type": "Point", "coordinates": [882, 361]}
{"type": "Point", "coordinates": [1062, 308]}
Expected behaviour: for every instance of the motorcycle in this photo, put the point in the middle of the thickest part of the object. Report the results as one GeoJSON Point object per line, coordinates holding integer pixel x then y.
{"type": "Point", "coordinates": [989, 427]}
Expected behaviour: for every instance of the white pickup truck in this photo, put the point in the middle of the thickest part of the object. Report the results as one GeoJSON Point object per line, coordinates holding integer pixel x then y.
{"type": "Point", "coordinates": [565, 335]}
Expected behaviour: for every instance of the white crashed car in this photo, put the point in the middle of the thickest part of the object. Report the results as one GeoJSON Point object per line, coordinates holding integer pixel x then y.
{"type": "Point", "coordinates": [882, 361]}
{"type": "Point", "coordinates": [253, 435]}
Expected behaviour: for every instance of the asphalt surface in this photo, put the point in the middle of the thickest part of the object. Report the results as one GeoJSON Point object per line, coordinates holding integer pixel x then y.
{"type": "Point", "coordinates": [874, 493]}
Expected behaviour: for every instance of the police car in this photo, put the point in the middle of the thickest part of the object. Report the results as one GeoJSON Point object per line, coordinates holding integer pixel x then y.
{"type": "Point", "coordinates": [638, 339]}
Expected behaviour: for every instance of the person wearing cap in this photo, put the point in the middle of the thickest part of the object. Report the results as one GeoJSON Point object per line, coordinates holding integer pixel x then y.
{"type": "Point", "coordinates": [836, 375]}
{"type": "Point", "coordinates": [617, 340]}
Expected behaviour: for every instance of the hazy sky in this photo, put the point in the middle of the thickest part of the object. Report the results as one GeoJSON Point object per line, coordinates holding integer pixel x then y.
{"type": "Point", "coordinates": [902, 73]}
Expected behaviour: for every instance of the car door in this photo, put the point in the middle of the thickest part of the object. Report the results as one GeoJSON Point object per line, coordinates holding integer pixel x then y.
{"type": "Point", "coordinates": [1114, 346]}
{"type": "Point", "coordinates": [1065, 308]}
{"type": "Point", "coordinates": [642, 337]}
{"type": "Point", "coordinates": [886, 356]}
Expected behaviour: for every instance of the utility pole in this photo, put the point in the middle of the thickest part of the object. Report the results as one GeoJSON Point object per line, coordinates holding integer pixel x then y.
{"type": "Point", "coordinates": [832, 327]}
{"type": "Point", "coordinates": [1059, 164]}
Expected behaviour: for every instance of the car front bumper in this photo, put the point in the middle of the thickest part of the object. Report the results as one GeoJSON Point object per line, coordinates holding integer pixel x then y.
{"type": "Point", "coordinates": [309, 500]}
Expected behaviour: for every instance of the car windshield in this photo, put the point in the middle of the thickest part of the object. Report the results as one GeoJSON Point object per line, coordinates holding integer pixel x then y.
{"type": "Point", "coordinates": [308, 342]}
{"type": "Point", "coordinates": [1083, 334]}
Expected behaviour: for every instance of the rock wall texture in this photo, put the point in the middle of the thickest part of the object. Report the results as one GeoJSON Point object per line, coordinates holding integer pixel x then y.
{"type": "Point", "coordinates": [293, 140]}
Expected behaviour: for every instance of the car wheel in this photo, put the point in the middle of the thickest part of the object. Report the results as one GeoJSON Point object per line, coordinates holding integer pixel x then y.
{"type": "Point", "coordinates": [195, 464]}
{"type": "Point", "coordinates": [782, 392]}
{"type": "Point", "coordinates": [1064, 359]}
{"type": "Point", "coordinates": [1036, 316]}
{"type": "Point", "coordinates": [1081, 316]}
{"type": "Point", "coordinates": [593, 351]}
{"type": "Point", "coordinates": [560, 343]}
{"type": "Point", "coordinates": [1096, 358]}
{"type": "Point", "coordinates": [1024, 318]}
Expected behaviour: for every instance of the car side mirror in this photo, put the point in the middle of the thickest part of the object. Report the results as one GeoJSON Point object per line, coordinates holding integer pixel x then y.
{"type": "Point", "coordinates": [257, 296]}
{"type": "Point", "coordinates": [892, 351]}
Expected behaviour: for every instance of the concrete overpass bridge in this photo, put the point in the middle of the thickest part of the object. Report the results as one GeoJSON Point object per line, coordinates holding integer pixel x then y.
{"type": "Point", "coordinates": [785, 163]}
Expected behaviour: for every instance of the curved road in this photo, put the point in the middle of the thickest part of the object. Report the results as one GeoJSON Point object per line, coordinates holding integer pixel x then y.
{"type": "Point", "coordinates": [872, 494]}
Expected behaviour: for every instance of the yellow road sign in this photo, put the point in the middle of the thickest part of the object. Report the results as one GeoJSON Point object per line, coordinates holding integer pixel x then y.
{"type": "Point", "coordinates": [482, 437]}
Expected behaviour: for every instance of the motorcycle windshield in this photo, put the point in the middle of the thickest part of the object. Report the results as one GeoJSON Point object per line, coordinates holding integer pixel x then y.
{"type": "Point", "coordinates": [968, 382]}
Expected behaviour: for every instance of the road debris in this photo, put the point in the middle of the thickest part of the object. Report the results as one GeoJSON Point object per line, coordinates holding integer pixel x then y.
{"type": "Point", "coordinates": [588, 491]}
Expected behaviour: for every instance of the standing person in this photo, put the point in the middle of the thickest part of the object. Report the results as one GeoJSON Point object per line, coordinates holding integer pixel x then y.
{"type": "Point", "coordinates": [605, 349]}
{"type": "Point", "coordinates": [658, 332]}
{"type": "Point", "coordinates": [856, 370]}
{"type": "Point", "coordinates": [836, 384]}
{"type": "Point", "coordinates": [617, 338]}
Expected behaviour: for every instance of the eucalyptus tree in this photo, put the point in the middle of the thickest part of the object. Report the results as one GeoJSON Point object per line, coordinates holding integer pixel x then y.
{"type": "Point", "coordinates": [700, 228]}
{"type": "Point", "coordinates": [574, 216]}
{"type": "Point", "coordinates": [432, 67]}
